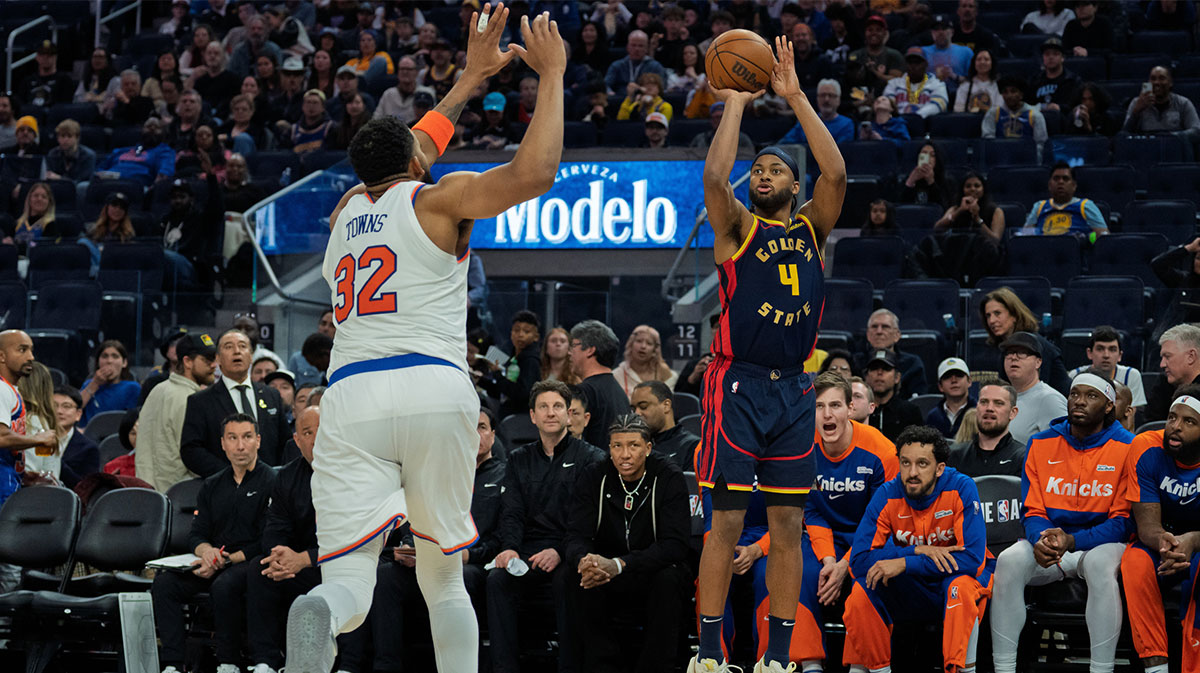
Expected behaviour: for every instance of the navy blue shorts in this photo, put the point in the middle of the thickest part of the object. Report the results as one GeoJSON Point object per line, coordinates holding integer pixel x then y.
{"type": "Point", "coordinates": [758, 427]}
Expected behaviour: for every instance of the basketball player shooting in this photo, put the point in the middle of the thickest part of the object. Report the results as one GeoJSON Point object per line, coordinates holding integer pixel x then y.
{"type": "Point", "coordinates": [758, 421]}
{"type": "Point", "coordinates": [398, 438]}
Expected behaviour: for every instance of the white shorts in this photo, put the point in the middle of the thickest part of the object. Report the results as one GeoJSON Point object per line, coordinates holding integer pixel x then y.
{"type": "Point", "coordinates": [396, 445]}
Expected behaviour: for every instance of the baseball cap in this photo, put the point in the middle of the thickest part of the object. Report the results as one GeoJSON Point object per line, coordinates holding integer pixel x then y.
{"type": "Point", "coordinates": [47, 47]}
{"type": "Point", "coordinates": [280, 374]}
{"type": "Point", "coordinates": [424, 99]}
{"type": "Point", "coordinates": [173, 335]}
{"type": "Point", "coordinates": [181, 185]}
{"type": "Point", "coordinates": [347, 70]}
{"type": "Point", "coordinates": [366, 7]}
{"type": "Point", "coordinates": [875, 18]}
{"type": "Point", "coordinates": [952, 365]}
{"type": "Point", "coordinates": [494, 102]}
{"type": "Point", "coordinates": [441, 44]}
{"type": "Point", "coordinates": [1023, 340]}
{"type": "Point", "coordinates": [1053, 43]}
{"type": "Point", "coordinates": [915, 52]}
{"type": "Point", "coordinates": [885, 357]}
{"type": "Point", "coordinates": [658, 118]}
{"type": "Point", "coordinates": [292, 64]}
{"type": "Point", "coordinates": [941, 21]}
{"type": "Point", "coordinates": [191, 345]}
{"type": "Point", "coordinates": [117, 199]}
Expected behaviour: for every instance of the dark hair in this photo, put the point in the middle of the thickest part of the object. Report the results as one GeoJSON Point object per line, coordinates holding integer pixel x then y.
{"type": "Point", "coordinates": [833, 354]}
{"type": "Point", "coordinates": [923, 434]}
{"type": "Point", "coordinates": [239, 418]}
{"type": "Point", "coordinates": [315, 344]}
{"type": "Point", "coordinates": [1099, 96]}
{"type": "Point", "coordinates": [939, 162]}
{"type": "Point", "coordinates": [491, 415]}
{"type": "Point", "coordinates": [595, 334]}
{"type": "Point", "coordinates": [577, 395]}
{"type": "Point", "coordinates": [889, 222]}
{"type": "Point", "coordinates": [527, 317]}
{"type": "Point", "coordinates": [829, 380]}
{"type": "Point", "coordinates": [1025, 321]}
{"type": "Point", "coordinates": [1104, 333]}
{"type": "Point", "coordinates": [1062, 166]}
{"type": "Point", "coordinates": [630, 423]}
{"type": "Point", "coordinates": [550, 387]}
{"type": "Point", "coordinates": [314, 398]}
{"type": "Point", "coordinates": [721, 15]}
{"type": "Point", "coordinates": [381, 149]}
{"type": "Point", "coordinates": [1012, 81]}
{"type": "Point", "coordinates": [126, 427]}
{"type": "Point", "coordinates": [659, 389]}
{"type": "Point", "coordinates": [71, 392]}
{"type": "Point", "coordinates": [120, 348]}
{"type": "Point", "coordinates": [985, 202]}
{"type": "Point", "coordinates": [674, 12]}
{"type": "Point", "coordinates": [305, 385]}
{"type": "Point", "coordinates": [1012, 392]}
{"type": "Point", "coordinates": [971, 72]}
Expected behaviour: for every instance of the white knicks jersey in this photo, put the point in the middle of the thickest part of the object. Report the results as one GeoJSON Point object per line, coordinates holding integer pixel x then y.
{"type": "Point", "coordinates": [394, 291]}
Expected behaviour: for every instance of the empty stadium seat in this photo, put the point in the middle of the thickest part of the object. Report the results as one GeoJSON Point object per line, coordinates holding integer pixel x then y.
{"type": "Point", "coordinates": [1176, 220]}
{"type": "Point", "coordinates": [83, 113]}
{"type": "Point", "coordinates": [1173, 181]}
{"type": "Point", "coordinates": [1055, 257]}
{"type": "Point", "coordinates": [274, 163]}
{"type": "Point", "coordinates": [955, 125]}
{"type": "Point", "coordinates": [183, 507]}
{"type": "Point", "coordinates": [917, 217]}
{"type": "Point", "coordinates": [1136, 67]}
{"type": "Point", "coordinates": [848, 305]}
{"type": "Point", "coordinates": [1014, 214]}
{"type": "Point", "coordinates": [1026, 45]}
{"type": "Point", "coordinates": [1080, 150]}
{"type": "Point", "coordinates": [1188, 66]}
{"type": "Point", "coordinates": [1144, 152]}
{"type": "Point", "coordinates": [579, 134]}
{"type": "Point", "coordinates": [770, 129]}
{"type": "Point", "coordinates": [1128, 255]}
{"type": "Point", "coordinates": [14, 302]}
{"type": "Point", "coordinates": [319, 160]}
{"type": "Point", "coordinates": [1009, 152]}
{"type": "Point", "coordinates": [1019, 184]}
{"type": "Point", "coordinates": [916, 125]}
{"type": "Point", "coordinates": [64, 261]}
{"type": "Point", "coordinates": [681, 133]}
{"type": "Point", "coordinates": [870, 157]}
{"type": "Point", "coordinates": [1024, 66]}
{"type": "Point", "coordinates": [1104, 300]}
{"type": "Point", "coordinates": [132, 267]}
{"type": "Point", "coordinates": [1114, 184]}
{"type": "Point", "coordinates": [861, 190]}
{"type": "Point", "coordinates": [623, 134]}
{"type": "Point", "coordinates": [878, 259]}
{"type": "Point", "coordinates": [1089, 68]}
{"type": "Point", "coordinates": [1173, 42]}
{"type": "Point", "coordinates": [927, 304]}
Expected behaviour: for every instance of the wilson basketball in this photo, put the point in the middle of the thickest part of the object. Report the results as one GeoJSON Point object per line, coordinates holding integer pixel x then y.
{"type": "Point", "coordinates": [739, 59]}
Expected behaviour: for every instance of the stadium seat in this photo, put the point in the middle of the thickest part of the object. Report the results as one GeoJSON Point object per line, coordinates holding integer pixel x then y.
{"type": "Point", "coordinates": [104, 424]}
{"type": "Point", "coordinates": [1123, 91]}
{"type": "Point", "coordinates": [40, 528]}
{"type": "Point", "coordinates": [1128, 255]}
{"type": "Point", "coordinates": [150, 43]}
{"type": "Point", "coordinates": [319, 160]}
{"type": "Point", "coordinates": [878, 259]}
{"type": "Point", "coordinates": [1188, 66]}
{"type": "Point", "coordinates": [64, 261]}
{"type": "Point", "coordinates": [927, 304]}
{"type": "Point", "coordinates": [691, 424]}
{"type": "Point", "coordinates": [1080, 150]}
{"type": "Point", "coordinates": [1019, 184]}
{"type": "Point", "coordinates": [98, 191]}
{"type": "Point", "coordinates": [183, 507]}
{"type": "Point", "coordinates": [65, 323]}
{"type": "Point", "coordinates": [1144, 152]}
{"type": "Point", "coordinates": [681, 133]}
{"type": "Point", "coordinates": [870, 157]}
{"type": "Point", "coordinates": [1089, 68]}
{"type": "Point", "coordinates": [1008, 152]}
{"type": "Point", "coordinates": [1054, 121]}
{"type": "Point", "coordinates": [1000, 495]}
{"type": "Point", "coordinates": [65, 194]}
{"type": "Point", "coordinates": [955, 125]}
{"type": "Point", "coordinates": [1014, 215]}
{"type": "Point", "coordinates": [1176, 220]}
{"type": "Point", "coordinates": [848, 305]}
{"type": "Point", "coordinates": [1114, 184]}
{"type": "Point", "coordinates": [685, 404]}
{"type": "Point", "coordinates": [14, 302]}
{"type": "Point", "coordinates": [861, 190]}
{"type": "Point", "coordinates": [1026, 45]}
{"type": "Point", "coordinates": [579, 134]}
{"type": "Point", "coordinates": [8, 263]}
{"type": "Point", "coordinates": [1173, 42]}
{"type": "Point", "coordinates": [769, 130]}
{"type": "Point", "coordinates": [1104, 300]}
{"type": "Point", "coordinates": [83, 113]}
{"type": "Point", "coordinates": [517, 430]}
{"type": "Point", "coordinates": [1173, 181]}
{"type": "Point", "coordinates": [623, 134]}
{"type": "Point", "coordinates": [916, 125]}
{"type": "Point", "coordinates": [274, 163]}
{"type": "Point", "coordinates": [954, 151]}
{"type": "Point", "coordinates": [918, 217]}
{"type": "Point", "coordinates": [1136, 67]}
{"type": "Point", "coordinates": [111, 449]}
{"type": "Point", "coordinates": [126, 136]}
{"type": "Point", "coordinates": [96, 138]}
{"type": "Point", "coordinates": [1024, 67]}
{"type": "Point", "coordinates": [1055, 257]}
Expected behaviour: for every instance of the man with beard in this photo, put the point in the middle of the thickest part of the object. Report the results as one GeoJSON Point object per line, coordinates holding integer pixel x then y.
{"type": "Point", "coordinates": [920, 549]}
{"type": "Point", "coordinates": [1161, 478]}
{"type": "Point", "coordinates": [189, 235]}
{"type": "Point", "coordinates": [758, 418]}
{"type": "Point", "coordinates": [853, 462]}
{"type": "Point", "coordinates": [160, 424]}
{"type": "Point", "coordinates": [993, 451]}
{"type": "Point", "coordinates": [8, 123]}
{"type": "Point", "coordinates": [892, 412]}
{"type": "Point", "coordinates": [654, 402]}
{"type": "Point", "coordinates": [146, 162]}
{"type": "Point", "coordinates": [256, 44]}
{"type": "Point", "coordinates": [917, 92]}
{"type": "Point", "coordinates": [16, 361]}
{"type": "Point", "coordinates": [1076, 519]}
{"type": "Point", "coordinates": [881, 62]}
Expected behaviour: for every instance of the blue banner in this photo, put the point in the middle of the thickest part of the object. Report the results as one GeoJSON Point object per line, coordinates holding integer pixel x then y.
{"type": "Point", "coordinates": [602, 204]}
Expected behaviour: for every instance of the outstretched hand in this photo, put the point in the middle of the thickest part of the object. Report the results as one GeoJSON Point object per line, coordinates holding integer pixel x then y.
{"type": "Point", "coordinates": [484, 57]}
{"type": "Point", "coordinates": [544, 50]}
{"type": "Point", "coordinates": [783, 76]}
{"type": "Point", "coordinates": [733, 96]}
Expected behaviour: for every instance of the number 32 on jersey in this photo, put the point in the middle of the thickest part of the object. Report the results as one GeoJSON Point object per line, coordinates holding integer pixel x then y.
{"type": "Point", "coordinates": [379, 261]}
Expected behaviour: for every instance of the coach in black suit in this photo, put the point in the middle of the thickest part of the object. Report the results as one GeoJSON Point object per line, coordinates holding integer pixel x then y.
{"type": "Point", "coordinates": [200, 442]}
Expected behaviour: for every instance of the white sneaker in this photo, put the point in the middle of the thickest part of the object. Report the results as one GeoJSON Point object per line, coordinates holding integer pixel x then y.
{"type": "Point", "coordinates": [698, 665]}
{"type": "Point", "coordinates": [171, 669]}
{"type": "Point", "coordinates": [774, 667]}
{"type": "Point", "coordinates": [228, 668]}
{"type": "Point", "coordinates": [262, 668]}
{"type": "Point", "coordinates": [310, 644]}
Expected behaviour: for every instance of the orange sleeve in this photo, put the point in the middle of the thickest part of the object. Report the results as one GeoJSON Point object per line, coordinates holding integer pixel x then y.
{"type": "Point", "coordinates": [822, 541]}
{"type": "Point", "coordinates": [764, 543]}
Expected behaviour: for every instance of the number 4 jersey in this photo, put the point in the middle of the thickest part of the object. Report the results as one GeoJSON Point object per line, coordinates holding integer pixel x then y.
{"type": "Point", "coordinates": [394, 290]}
{"type": "Point", "coordinates": [772, 293]}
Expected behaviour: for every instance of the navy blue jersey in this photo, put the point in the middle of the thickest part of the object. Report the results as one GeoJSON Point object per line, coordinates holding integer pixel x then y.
{"type": "Point", "coordinates": [1161, 479]}
{"type": "Point", "coordinates": [772, 294]}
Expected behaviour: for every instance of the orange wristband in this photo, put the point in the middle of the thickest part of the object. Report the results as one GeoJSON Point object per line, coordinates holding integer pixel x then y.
{"type": "Point", "coordinates": [438, 127]}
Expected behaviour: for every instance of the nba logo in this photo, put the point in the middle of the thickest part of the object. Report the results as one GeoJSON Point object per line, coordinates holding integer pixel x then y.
{"type": "Point", "coordinates": [1002, 511]}
{"type": "Point", "coordinates": [953, 592]}
{"type": "Point", "coordinates": [734, 387]}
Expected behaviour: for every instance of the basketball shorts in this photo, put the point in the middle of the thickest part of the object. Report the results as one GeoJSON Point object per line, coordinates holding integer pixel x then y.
{"type": "Point", "coordinates": [396, 442]}
{"type": "Point", "coordinates": [757, 425]}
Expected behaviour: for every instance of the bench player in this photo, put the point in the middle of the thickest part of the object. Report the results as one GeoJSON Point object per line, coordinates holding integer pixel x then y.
{"type": "Point", "coordinates": [398, 437]}
{"type": "Point", "coordinates": [758, 402]}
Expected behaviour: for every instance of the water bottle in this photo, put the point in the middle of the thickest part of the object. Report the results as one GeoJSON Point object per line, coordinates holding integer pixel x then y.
{"type": "Point", "coordinates": [285, 179]}
{"type": "Point", "coordinates": [948, 318]}
{"type": "Point", "coordinates": [1046, 318]}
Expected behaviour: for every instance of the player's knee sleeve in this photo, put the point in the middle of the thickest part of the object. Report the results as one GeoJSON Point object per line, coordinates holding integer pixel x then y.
{"type": "Point", "coordinates": [439, 576]}
{"type": "Point", "coordinates": [1103, 612]}
{"type": "Point", "coordinates": [1014, 569]}
{"type": "Point", "coordinates": [452, 620]}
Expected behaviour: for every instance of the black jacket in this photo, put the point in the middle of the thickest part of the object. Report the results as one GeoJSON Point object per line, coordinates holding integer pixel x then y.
{"type": "Point", "coordinates": [233, 515]}
{"type": "Point", "coordinates": [678, 446]}
{"type": "Point", "coordinates": [1169, 268]}
{"type": "Point", "coordinates": [605, 400]}
{"type": "Point", "coordinates": [537, 494]}
{"type": "Point", "coordinates": [514, 395]}
{"type": "Point", "coordinates": [657, 532]}
{"type": "Point", "coordinates": [893, 417]}
{"type": "Point", "coordinates": [1159, 398]}
{"type": "Point", "coordinates": [200, 440]}
{"type": "Point", "coordinates": [291, 519]}
{"type": "Point", "coordinates": [485, 510]}
{"type": "Point", "coordinates": [81, 457]}
{"type": "Point", "coordinates": [199, 229]}
{"type": "Point", "coordinates": [1007, 458]}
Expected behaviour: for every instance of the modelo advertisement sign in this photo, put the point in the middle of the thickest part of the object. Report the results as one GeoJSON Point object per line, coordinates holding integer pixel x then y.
{"type": "Point", "coordinates": [602, 204]}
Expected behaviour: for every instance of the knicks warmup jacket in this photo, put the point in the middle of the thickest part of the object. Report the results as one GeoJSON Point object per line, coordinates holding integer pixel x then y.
{"type": "Point", "coordinates": [894, 525]}
{"type": "Point", "coordinates": [1077, 485]}
{"type": "Point", "coordinates": [844, 488]}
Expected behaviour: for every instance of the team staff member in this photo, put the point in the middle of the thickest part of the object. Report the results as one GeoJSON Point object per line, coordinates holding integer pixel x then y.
{"type": "Point", "coordinates": [993, 451]}
{"type": "Point", "coordinates": [920, 548]}
{"type": "Point", "coordinates": [1162, 478]}
{"type": "Point", "coordinates": [1076, 519]}
{"type": "Point", "coordinates": [854, 461]}
{"type": "Point", "coordinates": [758, 422]}
{"type": "Point", "coordinates": [231, 512]}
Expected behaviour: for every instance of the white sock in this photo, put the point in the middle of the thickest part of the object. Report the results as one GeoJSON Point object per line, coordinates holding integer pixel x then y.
{"type": "Point", "coordinates": [347, 584]}
{"type": "Point", "coordinates": [856, 668]}
{"type": "Point", "coordinates": [812, 667]}
{"type": "Point", "coordinates": [885, 669]}
{"type": "Point", "coordinates": [451, 616]}
{"type": "Point", "coordinates": [1161, 668]}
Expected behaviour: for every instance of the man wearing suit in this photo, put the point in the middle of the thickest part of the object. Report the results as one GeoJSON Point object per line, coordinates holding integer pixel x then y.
{"type": "Point", "coordinates": [80, 453]}
{"type": "Point", "coordinates": [200, 442]}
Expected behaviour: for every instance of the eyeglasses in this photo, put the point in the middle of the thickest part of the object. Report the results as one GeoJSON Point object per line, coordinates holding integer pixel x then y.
{"type": "Point", "coordinates": [251, 315]}
{"type": "Point", "coordinates": [1018, 355]}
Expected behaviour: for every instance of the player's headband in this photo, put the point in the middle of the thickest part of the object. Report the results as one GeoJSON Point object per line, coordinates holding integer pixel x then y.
{"type": "Point", "coordinates": [782, 156]}
{"type": "Point", "coordinates": [1189, 402]}
{"type": "Point", "coordinates": [1098, 383]}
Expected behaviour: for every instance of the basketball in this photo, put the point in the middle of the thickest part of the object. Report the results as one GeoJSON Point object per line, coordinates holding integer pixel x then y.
{"type": "Point", "coordinates": [740, 60]}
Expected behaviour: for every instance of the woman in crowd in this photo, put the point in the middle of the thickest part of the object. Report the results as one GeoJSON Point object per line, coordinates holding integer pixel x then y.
{"type": "Point", "coordinates": [881, 219]}
{"type": "Point", "coordinates": [111, 386]}
{"type": "Point", "coordinates": [341, 133]}
{"type": "Point", "coordinates": [839, 362]}
{"type": "Point", "coordinates": [187, 163]}
{"type": "Point", "coordinates": [1049, 19]}
{"type": "Point", "coordinates": [979, 93]}
{"type": "Point", "coordinates": [36, 217]}
{"type": "Point", "coordinates": [1089, 112]}
{"type": "Point", "coordinates": [643, 361]}
{"type": "Point", "coordinates": [1004, 314]}
{"type": "Point", "coordinates": [644, 97]}
{"type": "Point", "coordinates": [690, 75]}
{"type": "Point", "coordinates": [113, 226]}
{"type": "Point", "coordinates": [427, 36]}
{"type": "Point", "coordinates": [371, 62]}
{"type": "Point", "coordinates": [556, 361]}
{"type": "Point", "coordinates": [320, 74]}
{"type": "Point", "coordinates": [974, 210]}
{"type": "Point", "coordinates": [592, 48]}
{"type": "Point", "coordinates": [99, 78]}
{"type": "Point", "coordinates": [266, 72]}
{"type": "Point", "coordinates": [164, 68]}
{"type": "Point", "coordinates": [926, 183]}
{"type": "Point", "coordinates": [37, 391]}
{"type": "Point", "coordinates": [884, 123]}
{"type": "Point", "coordinates": [126, 465]}
{"type": "Point", "coordinates": [194, 55]}
{"type": "Point", "coordinates": [241, 131]}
